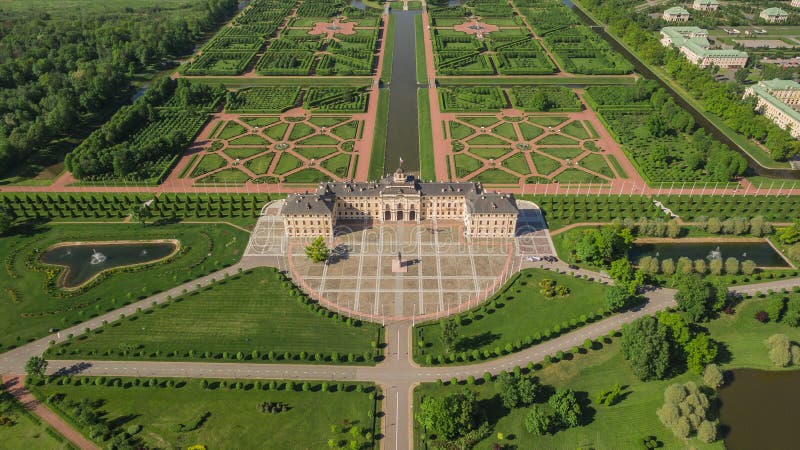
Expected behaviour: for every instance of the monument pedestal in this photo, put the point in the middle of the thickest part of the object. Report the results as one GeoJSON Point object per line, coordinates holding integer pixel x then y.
{"type": "Point", "coordinates": [398, 266]}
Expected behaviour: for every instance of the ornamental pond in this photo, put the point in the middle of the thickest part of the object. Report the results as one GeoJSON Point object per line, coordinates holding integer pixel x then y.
{"type": "Point", "coordinates": [84, 261]}
{"type": "Point", "coordinates": [759, 251]}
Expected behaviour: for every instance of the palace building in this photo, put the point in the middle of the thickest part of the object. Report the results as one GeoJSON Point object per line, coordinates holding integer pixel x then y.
{"type": "Point", "coordinates": [400, 199]}
{"type": "Point", "coordinates": [779, 101]}
{"type": "Point", "coordinates": [693, 43]}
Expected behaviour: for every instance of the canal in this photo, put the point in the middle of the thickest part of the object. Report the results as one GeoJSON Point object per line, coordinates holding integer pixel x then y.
{"type": "Point", "coordinates": [402, 136]}
{"type": "Point", "coordinates": [699, 118]}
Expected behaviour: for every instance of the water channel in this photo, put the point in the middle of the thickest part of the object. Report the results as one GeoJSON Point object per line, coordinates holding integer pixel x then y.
{"type": "Point", "coordinates": [84, 261]}
{"type": "Point", "coordinates": [758, 410]}
{"type": "Point", "coordinates": [698, 117]}
{"type": "Point", "coordinates": [402, 135]}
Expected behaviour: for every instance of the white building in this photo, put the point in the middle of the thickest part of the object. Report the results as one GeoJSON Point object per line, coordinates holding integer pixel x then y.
{"type": "Point", "coordinates": [774, 15]}
{"type": "Point", "coordinates": [779, 101]}
{"type": "Point", "coordinates": [677, 14]}
{"type": "Point", "coordinates": [693, 43]}
{"type": "Point", "coordinates": [706, 5]}
{"type": "Point", "coordinates": [795, 4]}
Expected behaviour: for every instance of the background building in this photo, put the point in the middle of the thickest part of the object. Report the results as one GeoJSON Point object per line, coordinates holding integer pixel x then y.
{"type": "Point", "coordinates": [400, 198]}
{"type": "Point", "coordinates": [774, 15]}
{"type": "Point", "coordinates": [779, 101]}
{"type": "Point", "coordinates": [677, 14]}
{"type": "Point", "coordinates": [693, 43]}
{"type": "Point", "coordinates": [706, 5]}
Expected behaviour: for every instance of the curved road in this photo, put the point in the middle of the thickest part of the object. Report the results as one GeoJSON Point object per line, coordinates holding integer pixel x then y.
{"type": "Point", "coordinates": [397, 374]}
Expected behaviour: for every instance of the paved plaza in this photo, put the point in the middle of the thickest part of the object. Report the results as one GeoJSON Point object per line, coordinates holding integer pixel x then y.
{"type": "Point", "coordinates": [444, 271]}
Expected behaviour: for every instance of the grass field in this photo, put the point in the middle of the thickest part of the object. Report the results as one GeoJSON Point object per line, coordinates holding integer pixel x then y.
{"type": "Point", "coordinates": [28, 310]}
{"type": "Point", "coordinates": [252, 311]}
{"type": "Point", "coordinates": [516, 312]}
{"type": "Point", "coordinates": [427, 163]}
{"type": "Point", "coordinates": [25, 431]}
{"type": "Point", "coordinates": [419, 47]}
{"type": "Point", "coordinates": [388, 54]}
{"type": "Point", "coordinates": [625, 424]}
{"type": "Point", "coordinates": [234, 420]}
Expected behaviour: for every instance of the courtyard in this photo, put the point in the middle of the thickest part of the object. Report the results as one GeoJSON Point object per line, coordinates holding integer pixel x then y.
{"type": "Point", "coordinates": [445, 272]}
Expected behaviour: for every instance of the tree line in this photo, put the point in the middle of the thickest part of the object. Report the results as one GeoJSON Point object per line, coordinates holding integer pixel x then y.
{"type": "Point", "coordinates": [64, 72]}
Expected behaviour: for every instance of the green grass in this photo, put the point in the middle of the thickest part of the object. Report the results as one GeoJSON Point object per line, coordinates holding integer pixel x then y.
{"type": "Point", "coordinates": [315, 152]}
{"type": "Point", "coordinates": [489, 152]}
{"type": "Point", "coordinates": [259, 121]}
{"type": "Point", "coordinates": [227, 176]}
{"type": "Point", "coordinates": [188, 166]}
{"type": "Point", "coordinates": [457, 130]}
{"type": "Point", "coordinates": [260, 165]}
{"type": "Point", "coordinates": [250, 139]}
{"type": "Point", "coordinates": [378, 153]}
{"type": "Point", "coordinates": [319, 139]}
{"type": "Point", "coordinates": [234, 421]}
{"type": "Point", "coordinates": [419, 47]}
{"type": "Point", "coordinates": [427, 160]}
{"type": "Point", "coordinates": [506, 130]}
{"type": "Point", "coordinates": [278, 131]}
{"type": "Point", "coordinates": [596, 163]}
{"type": "Point", "coordinates": [486, 139]}
{"type": "Point", "coordinates": [237, 83]}
{"type": "Point", "coordinates": [307, 176]}
{"type": "Point", "coordinates": [465, 165]}
{"type": "Point", "coordinates": [339, 165]}
{"type": "Point", "coordinates": [577, 176]}
{"type": "Point", "coordinates": [25, 431]}
{"type": "Point", "coordinates": [347, 131]}
{"type": "Point", "coordinates": [529, 131]}
{"type": "Point", "coordinates": [250, 311]}
{"type": "Point", "coordinates": [516, 312]}
{"type": "Point", "coordinates": [209, 163]}
{"type": "Point", "coordinates": [618, 167]}
{"type": "Point", "coordinates": [557, 139]}
{"type": "Point", "coordinates": [576, 130]}
{"type": "Point", "coordinates": [479, 121]}
{"type": "Point", "coordinates": [562, 152]}
{"type": "Point", "coordinates": [32, 311]}
{"type": "Point", "coordinates": [547, 121]}
{"type": "Point", "coordinates": [626, 423]}
{"type": "Point", "coordinates": [242, 153]}
{"type": "Point", "coordinates": [299, 131]}
{"type": "Point", "coordinates": [496, 176]}
{"type": "Point", "coordinates": [518, 164]}
{"type": "Point", "coordinates": [388, 55]}
{"type": "Point", "coordinates": [286, 163]}
{"type": "Point", "coordinates": [533, 80]}
{"type": "Point", "coordinates": [232, 129]}
{"type": "Point", "coordinates": [544, 165]}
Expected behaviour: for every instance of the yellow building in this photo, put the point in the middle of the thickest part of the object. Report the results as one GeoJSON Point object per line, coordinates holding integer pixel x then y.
{"type": "Point", "coordinates": [400, 199]}
{"type": "Point", "coordinates": [779, 101]}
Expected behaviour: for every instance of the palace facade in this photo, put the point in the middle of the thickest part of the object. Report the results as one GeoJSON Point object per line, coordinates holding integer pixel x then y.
{"type": "Point", "coordinates": [778, 101]}
{"type": "Point", "coordinates": [400, 199]}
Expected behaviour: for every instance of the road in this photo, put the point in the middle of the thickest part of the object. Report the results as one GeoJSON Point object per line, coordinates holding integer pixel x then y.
{"type": "Point", "coordinates": [397, 374]}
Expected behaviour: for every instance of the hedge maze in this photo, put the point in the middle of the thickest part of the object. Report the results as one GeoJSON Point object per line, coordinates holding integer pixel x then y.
{"type": "Point", "coordinates": [526, 98]}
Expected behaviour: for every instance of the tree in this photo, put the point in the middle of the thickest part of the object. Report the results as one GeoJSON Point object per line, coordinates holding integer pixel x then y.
{"type": "Point", "coordinates": [6, 219]}
{"type": "Point", "coordinates": [141, 213]}
{"type": "Point", "coordinates": [600, 246]}
{"type": "Point", "coordinates": [707, 431]}
{"type": "Point", "coordinates": [624, 275]}
{"type": "Point", "coordinates": [36, 366]}
{"type": "Point", "coordinates": [693, 296]}
{"type": "Point", "coordinates": [780, 350]}
{"type": "Point", "coordinates": [748, 267]}
{"type": "Point", "coordinates": [790, 234]}
{"type": "Point", "coordinates": [449, 335]}
{"type": "Point", "coordinates": [618, 298]}
{"type": "Point", "coordinates": [700, 351]}
{"type": "Point", "coordinates": [516, 391]}
{"type": "Point", "coordinates": [668, 266]}
{"type": "Point", "coordinates": [732, 266]}
{"type": "Point", "coordinates": [713, 376]}
{"type": "Point", "coordinates": [673, 229]}
{"type": "Point", "coordinates": [715, 266]}
{"type": "Point", "coordinates": [317, 250]}
{"type": "Point", "coordinates": [539, 421]}
{"type": "Point", "coordinates": [566, 409]}
{"type": "Point", "coordinates": [645, 345]}
{"type": "Point", "coordinates": [791, 316]}
{"type": "Point", "coordinates": [450, 417]}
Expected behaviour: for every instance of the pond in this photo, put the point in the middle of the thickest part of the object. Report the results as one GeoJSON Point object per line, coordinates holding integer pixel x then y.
{"type": "Point", "coordinates": [760, 252]}
{"type": "Point", "coordinates": [85, 261]}
{"type": "Point", "coordinates": [758, 410]}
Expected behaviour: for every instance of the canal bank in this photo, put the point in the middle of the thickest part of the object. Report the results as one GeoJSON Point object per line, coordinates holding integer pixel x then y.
{"type": "Point", "coordinates": [699, 116]}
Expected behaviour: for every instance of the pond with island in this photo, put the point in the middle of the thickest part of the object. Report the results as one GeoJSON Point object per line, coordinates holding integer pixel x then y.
{"type": "Point", "coordinates": [85, 261]}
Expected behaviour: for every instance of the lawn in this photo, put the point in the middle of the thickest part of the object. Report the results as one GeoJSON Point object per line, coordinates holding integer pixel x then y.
{"type": "Point", "coordinates": [234, 419]}
{"type": "Point", "coordinates": [578, 176]}
{"type": "Point", "coordinates": [557, 139]}
{"type": "Point", "coordinates": [33, 309]}
{"type": "Point", "coordinates": [547, 121]}
{"type": "Point", "coordinates": [307, 176]}
{"type": "Point", "coordinates": [496, 176]}
{"type": "Point", "coordinates": [427, 161]}
{"type": "Point", "coordinates": [576, 130]}
{"type": "Point", "coordinates": [544, 165]}
{"type": "Point", "coordinates": [227, 176]}
{"type": "Point", "coordinates": [517, 312]}
{"type": "Point", "coordinates": [377, 157]}
{"type": "Point", "coordinates": [232, 129]}
{"type": "Point", "coordinates": [596, 163]}
{"type": "Point", "coordinates": [465, 165]}
{"type": "Point", "coordinates": [339, 165]}
{"type": "Point", "coordinates": [286, 163]}
{"type": "Point", "coordinates": [260, 165]}
{"type": "Point", "coordinates": [518, 164]}
{"type": "Point", "coordinates": [489, 152]}
{"type": "Point", "coordinates": [529, 131]}
{"type": "Point", "coordinates": [25, 431]}
{"type": "Point", "coordinates": [249, 139]}
{"type": "Point", "coordinates": [242, 152]}
{"type": "Point", "coordinates": [247, 312]}
{"type": "Point", "coordinates": [209, 163]}
{"type": "Point", "coordinates": [562, 152]}
{"type": "Point", "coordinates": [623, 425]}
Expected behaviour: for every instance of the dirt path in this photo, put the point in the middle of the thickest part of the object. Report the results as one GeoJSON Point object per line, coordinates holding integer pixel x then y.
{"type": "Point", "coordinates": [14, 385]}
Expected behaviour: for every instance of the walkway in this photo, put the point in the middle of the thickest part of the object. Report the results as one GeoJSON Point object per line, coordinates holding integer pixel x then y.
{"type": "Point", "coordinates": [397, 374]}
{"type": "Point", "coordinates": [14, 386]}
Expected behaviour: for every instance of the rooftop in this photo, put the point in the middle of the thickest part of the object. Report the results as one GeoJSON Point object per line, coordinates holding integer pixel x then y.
{"type": "Point", "coordinates": [779, 85]}
{"type": "Point", "coordinates": [774, 12]}
{"type": "Point", "coordinates": [706, 2]}
{"type": "Point", "coordinates": [677, 10]}
{"type": "Point", "coordinates": [764, 90]}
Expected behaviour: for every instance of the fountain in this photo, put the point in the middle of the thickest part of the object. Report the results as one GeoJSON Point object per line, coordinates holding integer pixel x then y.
{"type": "Point", "coordinates": [97, 258]}
{"type": "Point", "coordinates": [714, 254]}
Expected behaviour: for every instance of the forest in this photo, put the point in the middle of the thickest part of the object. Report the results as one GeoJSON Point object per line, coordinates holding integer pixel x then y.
{"type": "Point", "coordinates": [66, 70]}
